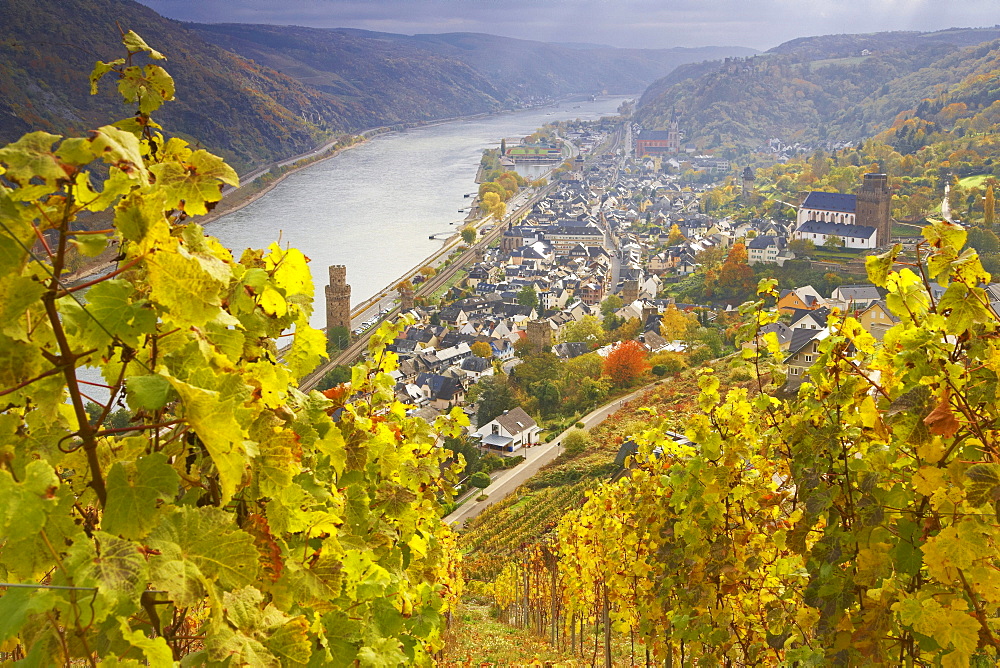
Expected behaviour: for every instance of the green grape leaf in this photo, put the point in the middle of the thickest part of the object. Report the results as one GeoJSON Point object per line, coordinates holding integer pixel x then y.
{"type": "Point", "coordinates": [308, 348]}
{"type": "Point", "coordinates": [213, 418]}
{"type": "Point", "coordinates": [156, 650]}
{"type": "Point", "coordinates": [966, 306]}
{"type": "Point", "coordinates": [985, 486]}
{"type": "Point", "coordinates": [190, 185]}
{"type": "Point", "coordinates": [185, 287]}
{"type": "Point", "coordinates": [17, 605]}
{"type": "Point", "coordinates": [198, 546]}
{"type": "Point", "coordinates": [119, 569]}
{"type": "Point", "coordinates": [879, 266]}
{"type": "Point", "coordinates": [290, 642]}
{"type": "Point", "coordinates": [383, 653]}
{"type": "Point", "coordinates": [100, 69]}
{"type": "Point", "coordinates": [32, 157]}
{"type": "Point", "coordinates": [150, 87]}
{"type": "Point", "coordinates": [111, 304]}
{"type": "Point", "coordinates": [150, 393]}
{"type": "Point", "coordinates": [136, 44]}
{"type": "Point", "coordinates": [17, 293]}
{"type": "Point", "coordinates": [140, 215]}
{"type": "Point", "coordinates": [134, 490]}
{"type": "Point", "coordinates": [90, 245]}
{"type": "Point", "coordinates": [121, 150]}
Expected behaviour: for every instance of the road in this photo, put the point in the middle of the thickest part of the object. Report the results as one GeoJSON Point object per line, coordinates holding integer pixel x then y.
{"type": "Point", "coordinates": [535, 458]}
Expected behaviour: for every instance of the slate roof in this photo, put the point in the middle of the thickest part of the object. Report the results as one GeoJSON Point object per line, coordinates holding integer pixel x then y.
{"type": "Point", "coordinates": [516, 420]}
{"type": "Point", "coordinates": [841, 230]}
{"type": "Point", "coordinates": [859, 293]}
{"type": "Point", "coordinates": [802, 337]}
{"type": "Point", "coordinates": [831, 202]}
{"type": "Point", "coordinates": [762, 242]}
{"type": "Point", "coordinates": [654, 135]}
{"type": "Point", "coordinates": [475, 364]}
{"type": "Point", "coordinates": [571, 349]}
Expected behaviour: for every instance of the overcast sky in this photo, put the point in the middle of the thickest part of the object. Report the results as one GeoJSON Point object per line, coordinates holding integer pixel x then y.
{"type": "Point", "coordinates": [638, 23]}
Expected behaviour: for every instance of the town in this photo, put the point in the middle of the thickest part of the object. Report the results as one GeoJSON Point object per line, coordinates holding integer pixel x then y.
{"type": "Point", "coordinates": [583, 296]}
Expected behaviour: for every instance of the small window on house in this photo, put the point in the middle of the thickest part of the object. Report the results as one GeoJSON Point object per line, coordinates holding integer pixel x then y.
{"type": "Point", "coordinates": [809, 359]}
{"type": "Point", "coordinates": [815, 346]}
{"type": "Point", "coordinates": [496, 429]}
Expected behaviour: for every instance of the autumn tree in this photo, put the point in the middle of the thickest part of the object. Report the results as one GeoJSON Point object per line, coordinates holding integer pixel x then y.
{"type": "Point", "coordinates": [427, 271]}
{"type": "Point", "coordinates": [735, 278]}
{"type": "Point", "coordinates": [481, 349]}
{"type": "Point", "coordinates": [675, 325]}
{"type": "Point", "coordinates": [469, 234]}
{"type": "Point", "coordinates": [676, 236]}
{"type": "Point", "coordinates": [626, 363]}
{"type": "Point", "coordinates": [833, 242]}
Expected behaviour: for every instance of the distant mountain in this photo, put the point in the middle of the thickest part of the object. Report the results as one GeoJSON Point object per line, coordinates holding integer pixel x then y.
{"type": "Point", "coordinates": [258, 93]}
{"type": "Point", "coordinates": [363, 65]}
{"type": "Point", "coordinates": [834, 88]}
{"type": "Point", "coordinates": [247, 112]}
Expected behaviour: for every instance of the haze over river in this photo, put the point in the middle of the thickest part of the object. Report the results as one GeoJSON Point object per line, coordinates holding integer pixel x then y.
{"type": "Point", "coordinates": [372, 207]}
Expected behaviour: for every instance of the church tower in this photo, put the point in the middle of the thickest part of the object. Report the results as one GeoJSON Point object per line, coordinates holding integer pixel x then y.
{"type": "Point", "coordinates": [747, 193]}
{"type": "Point", "coordinates": [338, 299]}
{"type": "Point", "coordinates": [874, 201]}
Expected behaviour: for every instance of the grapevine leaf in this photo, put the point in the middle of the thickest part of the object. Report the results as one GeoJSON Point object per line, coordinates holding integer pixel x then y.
{"type": "Point", "coordinates": [32, 157]}
{"type": "Point", "coordinates": [965, 306]}
{"type": "Point", "coordinates": [879, 266]}
{"type": "Point", "coordinates": [156, 650]}
{"type": "Point", "coordinates": [182, 285]}
{"type": "Point", "coordinates": [150, 87]}
{"type": "Point", "coordinates": [308, 348]}
{"type": "Point", "coordinates": [190, 185]}
{"type": "Point", "coordinates": [111, 304]}
{"type": "Point", "coordinates": [383, 653]}
{"type": "Point", "coordinates": [150, 393]}
{"type": "Point", "coordinates": [100, 69]}
{"type": "Point", "coordinates": [213, 419]}
{"type": "Point", "coordinates": [121, 150]}
{"type": "Point", "coordinates": [198, 546]}
{"type": "Point", "coordinates": [16, 605]}
{"type": "Point", "coordinates": [133, 492]}
{"type": "Point", "coordinates": [16, 295]}
{"type": "Point", "coordinates": [985, 487]}
{"type": "Point", "coordinates": [136, 44]}
{"type": "Point", "coordinates": [290, 642]}
{"type": "Point", "coordinates": [140, 215]}
{"type": "Point", "coordinates": [942, 420]}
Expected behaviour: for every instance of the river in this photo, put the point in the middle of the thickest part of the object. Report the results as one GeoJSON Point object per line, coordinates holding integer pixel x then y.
{"type": "Point", "coordinates": [372, 207]}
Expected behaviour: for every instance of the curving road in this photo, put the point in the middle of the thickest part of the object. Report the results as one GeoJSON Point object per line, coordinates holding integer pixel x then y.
{"type": "Point", "coordinates": [535, 458]}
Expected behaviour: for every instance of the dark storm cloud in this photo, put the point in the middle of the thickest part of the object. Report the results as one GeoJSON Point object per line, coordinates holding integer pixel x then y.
{"type": "Point", "coordinates": [641, 23]}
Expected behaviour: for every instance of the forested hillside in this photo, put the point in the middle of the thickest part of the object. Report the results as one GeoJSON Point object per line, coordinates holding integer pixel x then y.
{"type": "Point", "coordinates": [839, 88]}
{"type": "Point", "coordinates": [359, 64]}
{"type": "Point", "coordinates": [248, 113]}
{"type": "Point", "coordinates": [258, 93]}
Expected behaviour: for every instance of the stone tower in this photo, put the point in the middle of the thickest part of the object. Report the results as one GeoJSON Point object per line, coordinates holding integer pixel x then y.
{"type": "Point", "coordinates": [746, 195]}
{"type": "Point", "coordinates": [874, 201]}
{"type": "Point", "coordinates": [630, 291]}
{"type": "Point", "coordinates": [405, 299]}
{"type": "Point", "coordinates": [539, 335]}
{"type": "Point", "coordinates": [338, 299]}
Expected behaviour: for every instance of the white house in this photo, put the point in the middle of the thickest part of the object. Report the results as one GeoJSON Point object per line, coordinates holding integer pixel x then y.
{"type": "Point", "coordinates": [508, 432]}
{"type": "Point", "coordinates": [852, 236]}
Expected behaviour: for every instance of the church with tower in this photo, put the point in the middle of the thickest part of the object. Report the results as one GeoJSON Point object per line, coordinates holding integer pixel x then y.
{"type": "Point", "coordinates": [862, 220]}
